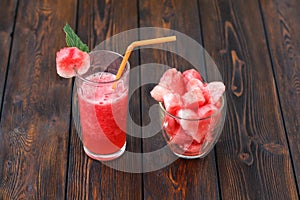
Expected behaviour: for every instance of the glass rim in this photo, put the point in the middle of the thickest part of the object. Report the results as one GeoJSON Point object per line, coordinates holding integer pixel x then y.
{"type": "Point", "coordinates": [195, 119]}
{"type": "Point", "coordinates": [80, 76]}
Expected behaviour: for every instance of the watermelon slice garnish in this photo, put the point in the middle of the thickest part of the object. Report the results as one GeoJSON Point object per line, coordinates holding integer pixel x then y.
{"type": "Point", "coordinates": [73, 59]}
{"type": "Point", "coordinates": [70, 60]}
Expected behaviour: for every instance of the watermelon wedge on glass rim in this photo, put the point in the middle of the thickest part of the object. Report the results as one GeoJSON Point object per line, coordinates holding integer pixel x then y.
{"type": "Point", "coordinates": [74, 58]}
{"type": "Point", "coordinates": [70, 60]}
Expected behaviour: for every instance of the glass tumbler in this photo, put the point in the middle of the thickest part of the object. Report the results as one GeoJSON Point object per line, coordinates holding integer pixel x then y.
{"type": "Point", "coordinates": [100, 104]}
{"type": "Point", "coordinates": [192, 138]}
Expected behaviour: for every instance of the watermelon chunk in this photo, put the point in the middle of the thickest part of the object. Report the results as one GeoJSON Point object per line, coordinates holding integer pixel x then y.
{"type": "Point", "coordinates": [190, 126]}
{"type": "Point", "coordinates": [173, 80]}
{"type": "Point", "coordinates": [172, 102]}
{"type": "Point", "coordinates": [190, 74]}
{"type": "Point", "coordinates": [197, 129]}
{"type": "Point", "coordinates": [218, 104]}
{"type": "Point", "coordinates": [181, 139]}
{"type": "Point", "coordinates": [170, 125]}
{"type": "Point", "coordinates": [70, 59]}
{"type": "Point", "coordinates": [195, 147]}
{"type": "Point", "coordinates": [203, 131]}
{"type": "Point", "coordinates": [206, 111]}
{"type": "Point", "coordinates": [194, 84]}
{"type": "Point", "coordinates": [193, 99]}
{"type": "Point", "coordinates": [215, 91]}
{"type": "Point", "coordinates": [158, 92]}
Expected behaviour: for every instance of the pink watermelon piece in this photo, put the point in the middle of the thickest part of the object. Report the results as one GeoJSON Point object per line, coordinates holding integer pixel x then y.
{"type": "Point", "coordinates": [172, 102]}
{"type": "Point", "coordinates": [170, 125]}
{"type": "Point", "coordinates": [187, 114]}
{"type": "Point", "coordinates": [218, 104]}
{"type": "Point", "coordinates": [177, 135]}
{"type": "Point", "coordinates": [70, 59]}
{"type": "Point", "coordinates": [206, 94]}
{"type": "Point", "coordinates": [158, 92]}
{"type": "Point", "coordinates": [197, 129]}
{"type": "Point", "coordinates": [195, 147]}
{"type": "Point", "coordinates": [206, 111]}
{"type": "Point", "coordinates": [173, 80]}
{"type": "Point", "coordinates": [194, 84]}
{"type": "Point", "coordinates": [203, 130]}
{"type": "Point", "coordinates": [215, 91]}
{"type": "Point", "coordinates": [193, 99]}
{"type": "Point", "coordinates": [190, 74]}
{"type": "Point", "coordinates": [190, 126]}
{"type": "Point", "coordinates": [209, 117]}
{"type": "Point", "coordinates": [181, 139]}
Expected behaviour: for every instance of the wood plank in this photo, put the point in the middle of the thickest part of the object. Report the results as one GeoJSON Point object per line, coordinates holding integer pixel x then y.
{"type": "Point", "coordinates": [253, 156]}
{"type": "Point", "coordinates": [183, 179]}
{"type": "Point", "coordinates": [283, 31]}
{"type": "Point", "coordinates": [35, 118]}
{"type": "Point", "coordinates": [7, 17]}
{"type": "Point", "coordinates": [87, 178]}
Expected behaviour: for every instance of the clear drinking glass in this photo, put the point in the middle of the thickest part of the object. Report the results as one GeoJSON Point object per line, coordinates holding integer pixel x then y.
{"type": "Point", "coordinates": [100, 106]}
{"type": "Point", "coordinates": [179, 138]}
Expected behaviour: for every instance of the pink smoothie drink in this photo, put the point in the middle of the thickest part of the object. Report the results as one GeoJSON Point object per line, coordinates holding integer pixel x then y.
{"type": "Point", "coordinates": [100, 104]}
{"type": "Point", "coordinates": [103, 113]}
{"type": "Point", "coordinates": [100, 96]}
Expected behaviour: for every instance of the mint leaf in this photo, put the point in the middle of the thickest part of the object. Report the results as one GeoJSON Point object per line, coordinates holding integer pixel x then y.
{"type": "Point", "coordinates": [73, 40]}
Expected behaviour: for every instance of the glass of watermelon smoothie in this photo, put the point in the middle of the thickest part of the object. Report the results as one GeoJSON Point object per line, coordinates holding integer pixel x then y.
{"type": "Point", "coordinates": [100, 105]}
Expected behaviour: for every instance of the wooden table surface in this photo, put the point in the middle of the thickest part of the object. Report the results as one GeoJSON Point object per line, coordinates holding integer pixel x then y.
{"type": "Point", "coordinates": [256, 46]}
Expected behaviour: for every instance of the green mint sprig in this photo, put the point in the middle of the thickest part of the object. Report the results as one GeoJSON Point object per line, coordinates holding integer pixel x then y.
{"type": "Point", "coordinates": [73, 40]}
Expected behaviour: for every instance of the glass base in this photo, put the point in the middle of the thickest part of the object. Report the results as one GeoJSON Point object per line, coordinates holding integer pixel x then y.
{"type": "Point", "coordinates": [105, 157]}
{"type": "Point", "coordinates": [189, 157]}
{"type": "Point", "coordinates": [186, 155]}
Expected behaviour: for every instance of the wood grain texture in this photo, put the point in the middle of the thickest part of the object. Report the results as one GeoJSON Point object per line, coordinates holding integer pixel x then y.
{"type": "Point", "coordinates": [283, 33]}
{"type": "Point", "coordinates": [87, 178]}
{"type": "Point", "coordinates": [183, 179]}
{"type": "Point", "coordinates": [34, 127]}
{"type": "Point", "coordinates": [7, 17]}
{"type": "Point", "coordinates": [256, 46]}
{"type": "Point", "coordinates": [253, 155]}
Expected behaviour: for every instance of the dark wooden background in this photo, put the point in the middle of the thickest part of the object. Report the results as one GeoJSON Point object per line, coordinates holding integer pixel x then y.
{"type": "Point", "coordinates": [256, 46]}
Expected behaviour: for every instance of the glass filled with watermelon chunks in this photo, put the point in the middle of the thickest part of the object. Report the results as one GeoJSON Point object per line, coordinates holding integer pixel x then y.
{"type": "Point", "coordinates": [100, 106]}
{"type": "Point", "coordinates": [192, 112]}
